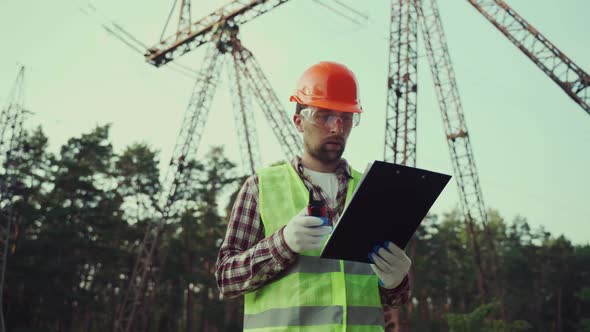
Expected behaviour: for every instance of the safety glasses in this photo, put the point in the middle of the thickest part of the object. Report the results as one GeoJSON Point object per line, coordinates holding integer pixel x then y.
{"type": "Point", "coordinates": [328, 119]}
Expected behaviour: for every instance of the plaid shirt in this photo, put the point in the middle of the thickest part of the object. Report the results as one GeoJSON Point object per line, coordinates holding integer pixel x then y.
{"type": "Point", "coordinates": [247, 259]}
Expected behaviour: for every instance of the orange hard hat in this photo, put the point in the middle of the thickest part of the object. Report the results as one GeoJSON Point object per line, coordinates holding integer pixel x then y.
{"type": "Point", "coordinates": [328, 85]}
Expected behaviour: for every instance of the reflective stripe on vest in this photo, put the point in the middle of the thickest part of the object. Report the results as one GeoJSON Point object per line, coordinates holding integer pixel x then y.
{"type": "Point", "coordinates": [305, 316]}
{"type": "Point", "coordinates": [313, 294]}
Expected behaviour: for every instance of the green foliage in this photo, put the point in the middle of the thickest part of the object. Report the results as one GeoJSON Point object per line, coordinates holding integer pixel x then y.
{"type": "Point", "coordinates": [538, 275]}
{"type": "Point", "coordinates": [584, 296]}
{"type": "Point", "coordinates": [82, 214]}
{"type": "Point", "coordinates": [479, 320]}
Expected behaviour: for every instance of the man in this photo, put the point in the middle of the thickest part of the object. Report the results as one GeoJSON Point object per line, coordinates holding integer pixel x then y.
{"type": "Point", "coordinates": [270, 252]}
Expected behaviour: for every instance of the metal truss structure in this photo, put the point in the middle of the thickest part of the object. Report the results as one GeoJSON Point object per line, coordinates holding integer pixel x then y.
{"type": "Point", "coordinates": [247, 80]}
{"type": "Point", "coordinates": [11, 145]}
{"type": "Point", "coordinates": [220, 31]}
{"type": "Point", "coordinates": [400, 127]}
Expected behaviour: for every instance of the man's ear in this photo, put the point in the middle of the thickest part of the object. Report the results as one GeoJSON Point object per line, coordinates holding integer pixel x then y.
{"type": "Point", "coordinates": [298, 121]}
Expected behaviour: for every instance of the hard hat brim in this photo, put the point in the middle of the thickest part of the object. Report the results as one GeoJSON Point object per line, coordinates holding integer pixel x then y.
{"type": "Point", "coordinates": [328, 104]}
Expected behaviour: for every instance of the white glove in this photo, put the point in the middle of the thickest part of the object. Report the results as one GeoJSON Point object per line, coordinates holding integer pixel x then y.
{"type": "Point", "coordinates": [304, 233]}
{"type": "Point", "coordinates": [391, 264]}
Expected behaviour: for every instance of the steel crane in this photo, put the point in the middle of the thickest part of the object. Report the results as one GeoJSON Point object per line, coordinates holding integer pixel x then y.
{"type": "Point", "coordinates": [219, 31]}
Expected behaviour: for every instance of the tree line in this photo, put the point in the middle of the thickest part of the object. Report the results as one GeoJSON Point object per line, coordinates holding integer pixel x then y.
{"type": "Point", "coordinates": [81, 215]}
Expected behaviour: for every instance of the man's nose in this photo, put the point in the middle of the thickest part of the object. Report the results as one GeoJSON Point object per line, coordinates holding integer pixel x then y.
{"type": "Point", "coordinates": [336, 125]}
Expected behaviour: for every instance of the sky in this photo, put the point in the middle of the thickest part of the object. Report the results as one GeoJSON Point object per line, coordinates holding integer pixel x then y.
{"type": "Point", "coordinates": [530, 140]}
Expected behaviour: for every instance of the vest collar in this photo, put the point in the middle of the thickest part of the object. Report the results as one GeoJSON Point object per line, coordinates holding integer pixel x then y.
{"type": "Point", "coordinates": [342, 169]}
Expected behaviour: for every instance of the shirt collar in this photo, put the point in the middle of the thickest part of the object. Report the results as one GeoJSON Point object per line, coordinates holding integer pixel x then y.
{"type": "Point", "coordinates": [341, 169]}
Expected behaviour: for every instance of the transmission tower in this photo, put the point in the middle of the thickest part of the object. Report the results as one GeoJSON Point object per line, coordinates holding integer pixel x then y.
{"type": "Point", "coordinates": [11, 143]}
{"type": "Point", "coordinates": [400, 128]}
{"type": "Point", "coordinates": [220, 32]}
{"type": "Point", "coordinates": [401, 115]}
{"type": "Point", "coordinates": [456, 131]}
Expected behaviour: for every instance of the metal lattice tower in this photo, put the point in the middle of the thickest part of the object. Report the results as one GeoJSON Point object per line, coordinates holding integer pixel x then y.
{"type": "Point", "coordinates": [11, 141]}
{"type": "Point", "coordinates": [401, 110]}
{"type": "Point", "coordinates": [456, 132]}
{"type": "Point", "coordinates": [402, 85]}
{"type": "Point", "coordinates": [220, 31]}
{"type": "Point", "coordinates": [563, 71]}
{"type": "Point", "coordinates": [190, 37]}
{"type": "Point", "coordinates": [243, 113]}
{"type": "Point", "coordinates": [400, 133]}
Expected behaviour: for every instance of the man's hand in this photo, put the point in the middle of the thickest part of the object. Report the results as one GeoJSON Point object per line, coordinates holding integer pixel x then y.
{"type": "Point", "coordinates": [304, 233]}
{"type": "Point", "coordinates": [391, 264]}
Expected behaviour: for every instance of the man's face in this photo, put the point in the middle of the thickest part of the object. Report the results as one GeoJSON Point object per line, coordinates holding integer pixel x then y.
{"type": "Point", "coordinates": [324, 132]}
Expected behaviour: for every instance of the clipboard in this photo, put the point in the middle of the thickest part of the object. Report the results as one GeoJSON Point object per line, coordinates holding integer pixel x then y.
{"type": "Point", "coordinates": [388, 204]}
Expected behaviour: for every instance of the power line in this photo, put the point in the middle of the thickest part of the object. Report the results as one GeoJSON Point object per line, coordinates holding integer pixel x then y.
{"type": "Point", "coordinates": [117, 31]}
{"type": "Point", "coordinates": [354, 10]}
{"type": "Point", "coordinates": [338, 12]}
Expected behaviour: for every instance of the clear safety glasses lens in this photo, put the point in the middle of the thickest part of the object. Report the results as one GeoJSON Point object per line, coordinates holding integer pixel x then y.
{"type": "Point", "coordinates": [325, 118]}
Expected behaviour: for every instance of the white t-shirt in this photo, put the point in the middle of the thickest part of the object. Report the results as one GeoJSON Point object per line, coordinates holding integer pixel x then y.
{"type": "Point", "coordinates": [327, 181]}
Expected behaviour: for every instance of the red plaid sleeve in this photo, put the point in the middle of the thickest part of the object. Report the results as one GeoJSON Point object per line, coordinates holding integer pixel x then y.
{"type": "Point", "coordinates": [247, 259]}
{"type": "Point", "coordinates": [396, 297]}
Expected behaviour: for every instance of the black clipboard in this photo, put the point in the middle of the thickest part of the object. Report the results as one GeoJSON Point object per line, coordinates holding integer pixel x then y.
{"type": "Point", "coordinates": [388, 204]}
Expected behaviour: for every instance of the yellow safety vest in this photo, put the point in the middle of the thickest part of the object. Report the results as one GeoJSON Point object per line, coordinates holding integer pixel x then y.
{"type": "Point", "coordinates": [314, 294]}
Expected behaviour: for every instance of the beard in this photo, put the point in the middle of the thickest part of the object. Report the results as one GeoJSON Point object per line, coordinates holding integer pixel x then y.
{"type": "Point", "coordinates": [325, 154]}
